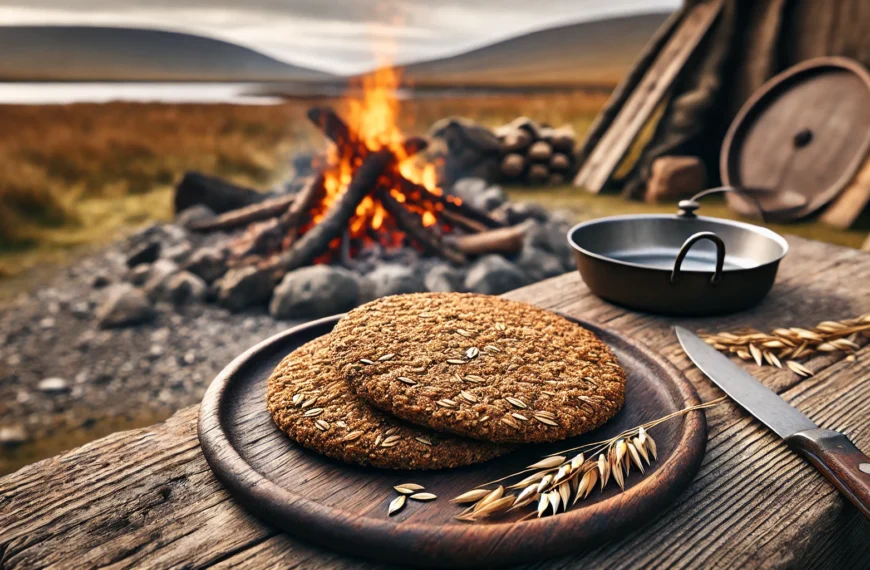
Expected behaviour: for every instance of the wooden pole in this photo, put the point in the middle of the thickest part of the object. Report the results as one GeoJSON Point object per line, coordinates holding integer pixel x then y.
{"type": "Point", "coordinates": [606, 155]}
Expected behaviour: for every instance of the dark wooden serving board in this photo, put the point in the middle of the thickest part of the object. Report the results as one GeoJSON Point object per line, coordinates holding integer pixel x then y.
{"type": "Point", "coordinates": [344, 507]}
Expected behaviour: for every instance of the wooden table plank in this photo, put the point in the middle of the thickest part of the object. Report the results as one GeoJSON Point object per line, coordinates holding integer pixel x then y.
{"type": "Point", "coordinates": [147, 498]}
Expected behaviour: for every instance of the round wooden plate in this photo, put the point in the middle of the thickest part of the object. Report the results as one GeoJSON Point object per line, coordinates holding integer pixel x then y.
{"type": "Point", "coordinates": [802, 136]}
{"type": "Point", "coordinates": [344, 507]}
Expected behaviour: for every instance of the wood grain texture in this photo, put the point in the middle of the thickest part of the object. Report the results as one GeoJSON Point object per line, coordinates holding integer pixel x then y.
{"type": "Point", "coordinates": [344, 506]}
{"type": "Point", "coordinates": [146, 498]}
{"type": "Point", "coordinates": [605, 157]}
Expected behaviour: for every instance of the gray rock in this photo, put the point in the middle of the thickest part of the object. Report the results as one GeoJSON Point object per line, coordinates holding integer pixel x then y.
{"type": "Point", "coordinates": [208, 263]}
{"type": "Point", "coordinates": [100, 280]}
{"type": "Point", "coordinates": [469, 188]}
{"type": "Point", "coordinates": [161, 271]}
{"type": "Point", "coordinates": [178, 253]}
{"type": "Point", "coordinates": [443, 278]}
{"type": "Point", "coordinates": [489, 199]}
{"type": "Point", "coordinates": [53, 385]}
{"type": "Point", "coordinates": [185, 287]}
{"type": "Point", "coordinates": [552, 238]}
{"type": "Point", "coordinates": [12, 435]}
{"type": "Point", "coordinates": [313, 292]}
{"type": "Point", "coordinates": [194, 214]}
{"type": "Point", "coordinates": [124, 305]}
{"type": "Point", "coordinates": [494, 275]}
{"type": "Point", "coordinates": [139, 274]}
{"type": "Point", "coordinates": [145, 253]}
{"type": "Point", "coordinates": [244, 287]}
{"type": "Point", "coordinates": [392, 279]}
{"type": "Point", "coordinates": [517, 212]}
{"type": "Point", "coordinates": [539, 265]}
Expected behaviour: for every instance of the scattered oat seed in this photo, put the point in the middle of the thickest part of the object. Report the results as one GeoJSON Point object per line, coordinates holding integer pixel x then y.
{"type": "Point", "coordinates": [423, 497]}
{"type": "Point", "coordinates": [396, 505]}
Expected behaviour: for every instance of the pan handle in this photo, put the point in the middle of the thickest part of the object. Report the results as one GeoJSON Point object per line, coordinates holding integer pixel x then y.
{"type": "Point", "coordinates": [687, 245]}
{"type": "Point", "coordinates": [690, 206]}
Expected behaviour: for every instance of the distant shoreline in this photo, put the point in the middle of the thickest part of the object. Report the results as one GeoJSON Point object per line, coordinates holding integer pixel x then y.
{"type": "Point", "coordinates": [249, 93]}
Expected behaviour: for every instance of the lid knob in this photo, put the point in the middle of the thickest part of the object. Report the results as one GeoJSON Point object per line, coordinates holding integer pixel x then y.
{"type": "Point", "coordinates": [687, 208]}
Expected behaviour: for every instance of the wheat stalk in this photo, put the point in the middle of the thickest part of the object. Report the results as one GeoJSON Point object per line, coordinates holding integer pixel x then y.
{"type": "Point", "coordinates": [783, 347]}
{"type": "Point", "coordinates": [557, 483]}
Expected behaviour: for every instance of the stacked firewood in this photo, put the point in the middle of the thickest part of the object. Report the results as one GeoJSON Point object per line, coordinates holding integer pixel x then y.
{"type": "Point", "coordinates": [520, 152]}
{"type": "Point", "coordinates": [535, 154]}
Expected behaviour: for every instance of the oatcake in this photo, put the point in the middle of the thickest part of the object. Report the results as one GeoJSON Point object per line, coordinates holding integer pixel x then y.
{"type": "Point", "coordinates": [478, 366]}
{"type": "Point", "coordinates": [314, 406]}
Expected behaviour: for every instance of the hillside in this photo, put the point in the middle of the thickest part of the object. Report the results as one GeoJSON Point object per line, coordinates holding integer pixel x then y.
{"type": "Point", "coordinates": [84, 53]}
{"type": "Point", "coordinates": [588, 53]}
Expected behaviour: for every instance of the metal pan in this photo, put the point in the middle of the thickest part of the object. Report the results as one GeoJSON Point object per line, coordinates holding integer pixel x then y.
{"type": "Point", "coordinates": [680, 264]}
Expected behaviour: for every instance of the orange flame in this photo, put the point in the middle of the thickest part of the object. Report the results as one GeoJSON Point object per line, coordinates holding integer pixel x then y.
{"type": "Point", "coordinates": [373, 116]}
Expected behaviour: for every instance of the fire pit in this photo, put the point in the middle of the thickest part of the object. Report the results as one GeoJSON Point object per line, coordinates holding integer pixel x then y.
{"type": "Point", "coordinates": [370, 220]}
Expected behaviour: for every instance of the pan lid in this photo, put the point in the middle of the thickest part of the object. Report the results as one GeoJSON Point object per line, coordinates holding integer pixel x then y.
{"type": "Point", "coordinates": [806, 131]}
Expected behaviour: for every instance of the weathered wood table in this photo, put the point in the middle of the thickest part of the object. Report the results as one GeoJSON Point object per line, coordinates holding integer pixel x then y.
{"type": "Point", "coordinates": [146, 498]}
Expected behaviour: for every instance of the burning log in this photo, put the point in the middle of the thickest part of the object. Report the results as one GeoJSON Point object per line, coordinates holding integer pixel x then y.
{"type": "Point", "coordinates": [218, 195]}
{"type": "Point", "coordinates": [317, 239]}
{"type": "Point", "coordinates": [502, 240]}
{"type": "Point", "coordinates": [243, 216]}
{"type": "Point", "coordinates": [305, 200]}
{"type": "Point", "coordinates": [413, 189]}
{"type": "Point", "coordinates": [412, 225]}
{"type": "Point", "coordinates": [336, 130]}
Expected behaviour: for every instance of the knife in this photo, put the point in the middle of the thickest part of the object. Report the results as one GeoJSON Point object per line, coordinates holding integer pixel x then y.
{"type": "Point", "coordinates": [829, 451]}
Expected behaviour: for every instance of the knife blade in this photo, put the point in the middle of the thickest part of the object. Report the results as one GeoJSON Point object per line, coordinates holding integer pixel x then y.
{"type": "Point", "coordinates": [829, 451]}
{"type": "Point", "coordinates": [755, 397]}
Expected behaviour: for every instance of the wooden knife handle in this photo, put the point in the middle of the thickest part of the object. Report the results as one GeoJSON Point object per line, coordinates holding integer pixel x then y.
{"type": "Point", "coordinates": [839, 460]}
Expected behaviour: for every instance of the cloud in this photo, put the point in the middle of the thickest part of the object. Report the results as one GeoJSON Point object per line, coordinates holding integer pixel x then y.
{"type": "Point", "coordinates": [335, 35]}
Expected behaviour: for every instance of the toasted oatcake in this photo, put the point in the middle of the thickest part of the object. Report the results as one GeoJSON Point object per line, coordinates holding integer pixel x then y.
{"type": "Point", "coordinates": [478, 366]}
{"type": "Point", "coordinates": [310, 402]}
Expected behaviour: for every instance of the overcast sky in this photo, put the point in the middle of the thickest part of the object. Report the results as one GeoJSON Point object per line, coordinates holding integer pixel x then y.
{"type": "Point", "coordinates": [334, 35]}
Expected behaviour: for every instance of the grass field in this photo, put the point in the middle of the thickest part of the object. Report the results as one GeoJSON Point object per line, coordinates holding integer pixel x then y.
{"type": "Point", "coordinates": [78, 174]}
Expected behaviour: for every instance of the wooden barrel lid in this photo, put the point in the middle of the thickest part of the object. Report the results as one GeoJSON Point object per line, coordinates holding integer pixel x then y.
{"type": "Point", "coordinates": [804, 133]}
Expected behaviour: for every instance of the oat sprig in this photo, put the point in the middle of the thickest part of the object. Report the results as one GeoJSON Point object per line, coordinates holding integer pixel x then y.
{"type": "Point", "coordinates": [556, 482]}
{"type": "Point", "coordinates": [783, 347]}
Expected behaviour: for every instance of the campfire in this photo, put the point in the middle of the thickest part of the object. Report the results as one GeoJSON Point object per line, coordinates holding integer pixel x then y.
{"type": "Point", "coordinates": [368, 212]}
{"type": "Point", "coordinates": [373, 188]}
